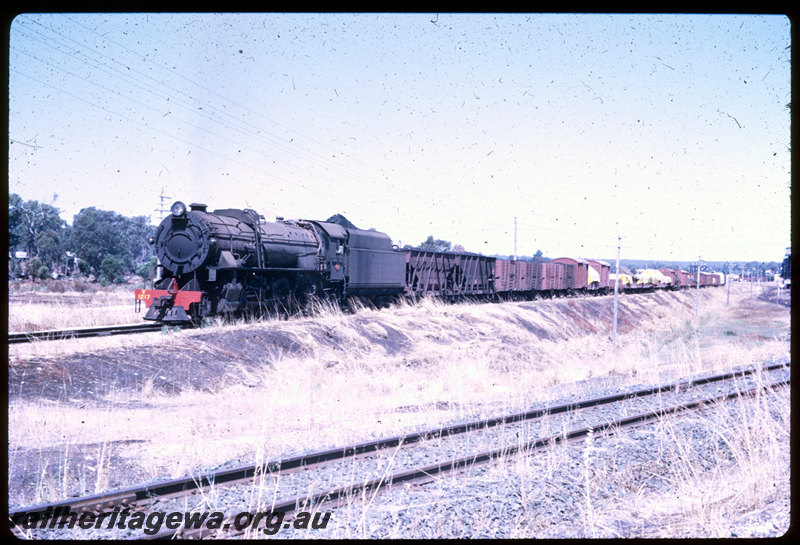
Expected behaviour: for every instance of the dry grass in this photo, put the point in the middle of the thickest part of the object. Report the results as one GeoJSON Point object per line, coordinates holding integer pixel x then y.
{"type": "Point", "coordinates": [358, 369]}
{"type": "Point", "coordinates": [35, 317]}
{"type": "Point", "coordinates": [717, 494]}
{"type": "Point", "coordinates": [737, 487]}
{"type": "Point", "coordinates": [37, 311]}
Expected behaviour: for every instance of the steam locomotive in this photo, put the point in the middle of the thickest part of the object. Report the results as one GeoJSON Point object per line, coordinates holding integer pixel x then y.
{"type": "Point", "coordinates": [232, 261]}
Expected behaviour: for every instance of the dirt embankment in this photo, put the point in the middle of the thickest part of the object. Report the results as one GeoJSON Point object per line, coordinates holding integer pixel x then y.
{"type": "Point", "coordinates": [210, 360]}
{"type": "Point", "coordinates": [88, 415]}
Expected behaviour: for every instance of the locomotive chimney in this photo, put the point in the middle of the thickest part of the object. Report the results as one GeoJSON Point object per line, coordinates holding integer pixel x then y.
{"type": "Point", "coordinates": [198, 207]}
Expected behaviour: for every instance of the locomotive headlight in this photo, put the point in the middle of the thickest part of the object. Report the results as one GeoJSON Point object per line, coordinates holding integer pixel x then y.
{"type": "Point", "coordinates": [178, 209]}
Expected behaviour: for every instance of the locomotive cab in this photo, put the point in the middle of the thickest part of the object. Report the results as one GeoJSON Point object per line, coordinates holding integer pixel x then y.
{"type": "Point", "coordinates": [333, 248]}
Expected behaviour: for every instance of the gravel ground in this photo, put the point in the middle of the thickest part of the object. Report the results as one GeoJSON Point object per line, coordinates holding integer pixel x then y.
{"type": "Point", "coordinates": [637, 486]}
{"type": "Point", "coordinates": [543, 495]}
{"type": "Point", "coordinates": [503, 501]}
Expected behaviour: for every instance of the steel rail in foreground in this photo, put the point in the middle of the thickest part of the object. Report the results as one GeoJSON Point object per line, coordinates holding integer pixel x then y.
{"type": "Point", "coordinates": [134, 495]}
{"type": "Point", "coordinates": [339, 496]}
{"type": "Point", "coordinates": [80, 333]}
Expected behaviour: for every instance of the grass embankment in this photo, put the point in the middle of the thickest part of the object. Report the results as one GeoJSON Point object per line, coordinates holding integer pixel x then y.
{"type": "Point", "coordinates": [348, 378]}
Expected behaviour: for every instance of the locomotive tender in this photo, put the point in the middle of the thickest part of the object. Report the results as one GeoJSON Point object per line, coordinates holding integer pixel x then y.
{"type": "Point", "coordinates": [231, 261]}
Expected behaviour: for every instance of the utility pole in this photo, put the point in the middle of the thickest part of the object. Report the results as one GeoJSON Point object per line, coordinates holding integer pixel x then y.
{"type": "Point", "coordinates": [161, 209]}
{"type": "Point", "coordinates": [515, 238]}
{"type": "Point", "coordinates": [616, 289]}
{"type": "Point", "coordinates": [728, 281]}
{"type": "Point", "coordinates": [760, 285]}
{"type": "Point", "coordinates": [697, 298]}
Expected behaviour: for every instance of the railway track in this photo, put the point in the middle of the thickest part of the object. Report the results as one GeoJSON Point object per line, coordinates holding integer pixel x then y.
{"type": "Point", "coordinates": [127, 329]}
{"type": "Point", "coordinates": [87, 332]}
{"type": "Point", "coordinates": [82, 333]}
{"type": "Point", "coordinates": [139, 497]}
{"type": "Point", "coordinates": [337, 497]}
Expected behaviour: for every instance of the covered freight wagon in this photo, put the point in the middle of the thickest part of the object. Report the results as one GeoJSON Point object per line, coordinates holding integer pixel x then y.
{"type": "Point", "coordinates": [577, 272]}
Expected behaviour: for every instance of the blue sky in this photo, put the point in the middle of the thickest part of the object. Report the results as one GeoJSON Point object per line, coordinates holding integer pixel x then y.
{"type": "Point", "coordinates": [670, 130]}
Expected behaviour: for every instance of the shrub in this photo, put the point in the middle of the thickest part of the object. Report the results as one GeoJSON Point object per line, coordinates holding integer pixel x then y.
{"type": "Point", "coordinates": [32, 267]}
{"type": "Point", "coordinates": [80, 286]}
{"type": "Point", "coordinates": [56, 286]}
{"type": "Point", "coordinates": [111, 270]}
{"type": "Point", "coordinates": [145, 269]}
{"type": "Point", "coordinates": [84, 267]}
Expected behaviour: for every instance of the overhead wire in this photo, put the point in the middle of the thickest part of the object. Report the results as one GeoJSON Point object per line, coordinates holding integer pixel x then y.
{"type": "Point", "coordinates": [277, 140]}
{"type": "Point", "coordinates": [155, 91]}
{"type": "Point", "coordinates": [411, 197]}
{"type": "Point", "coordinates": [252, 131]}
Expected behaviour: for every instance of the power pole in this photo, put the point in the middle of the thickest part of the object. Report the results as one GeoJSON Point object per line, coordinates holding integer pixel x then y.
{"type": "Point", "coordinates": [697, 298]}
{"type": "Point", "coordinates": [616, 289]}
{"type": "Point", "coordinates": [728, 281]}
{"type": "Point", "coordinates": [161, 209]}
{"type": "Point", "coordinates": [760, 272]}
{"type": "Point", "coordinates": [515, 238]}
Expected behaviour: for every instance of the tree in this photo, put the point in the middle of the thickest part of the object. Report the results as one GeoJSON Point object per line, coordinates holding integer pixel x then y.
{"type": "Point", "coordinates": [48, 246]}
{"type": "Point", "coordinates": [84, 267]}
{"type": "Point", "coordinates": [17, 269]}
{"type": "Point", "coordinates": [436, 245]}
{"type": "Point", "coordinates": [146, 268]}
{"type": "Point", "coordinates": [111, 270]}
{"type": "Point", "coordinates": [136, 233]}
{"type": "Point", "coordinates": [27, 219]}
{"type": "Point", "coordinates": [14, 220]}
{"type": "Point", "coordinates": [97, 234]}
{"type": "Point", "coordinates": [43, 273]}
{"type": "Point", "coordinates": [32, 267]}
{"type": "Point", "coordinates": [538, 256]}
{"type": "Point", "coordinates": [339, 219]}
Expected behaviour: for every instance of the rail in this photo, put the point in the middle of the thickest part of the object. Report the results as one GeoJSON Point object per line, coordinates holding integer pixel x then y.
{"type": "Point", "coordinates": [81, 333]}
{"type": "Point", "coordinates": [133, 497]}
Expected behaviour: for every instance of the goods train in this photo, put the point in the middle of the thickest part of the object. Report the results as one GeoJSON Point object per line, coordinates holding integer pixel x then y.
{"type": "Point", "coordinates": [231, 261]}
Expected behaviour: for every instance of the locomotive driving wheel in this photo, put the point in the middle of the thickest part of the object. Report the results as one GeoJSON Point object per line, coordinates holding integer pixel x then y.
{"type": "Point", "coordinates": [282, 298]}
{"type": "Point", "coordinates": [307, 295]}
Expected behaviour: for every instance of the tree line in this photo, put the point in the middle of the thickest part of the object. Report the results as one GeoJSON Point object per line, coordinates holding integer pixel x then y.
{"type": "Point", "coordinates": [750, 268]}
{"type": "Point", "coordinates": [102, 243]}
{"type": "Point", "coordinates": [439, 245]}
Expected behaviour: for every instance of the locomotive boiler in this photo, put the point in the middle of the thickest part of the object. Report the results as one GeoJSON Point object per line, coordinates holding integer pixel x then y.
{"type": "Point", "coordinates": [232, 261]}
